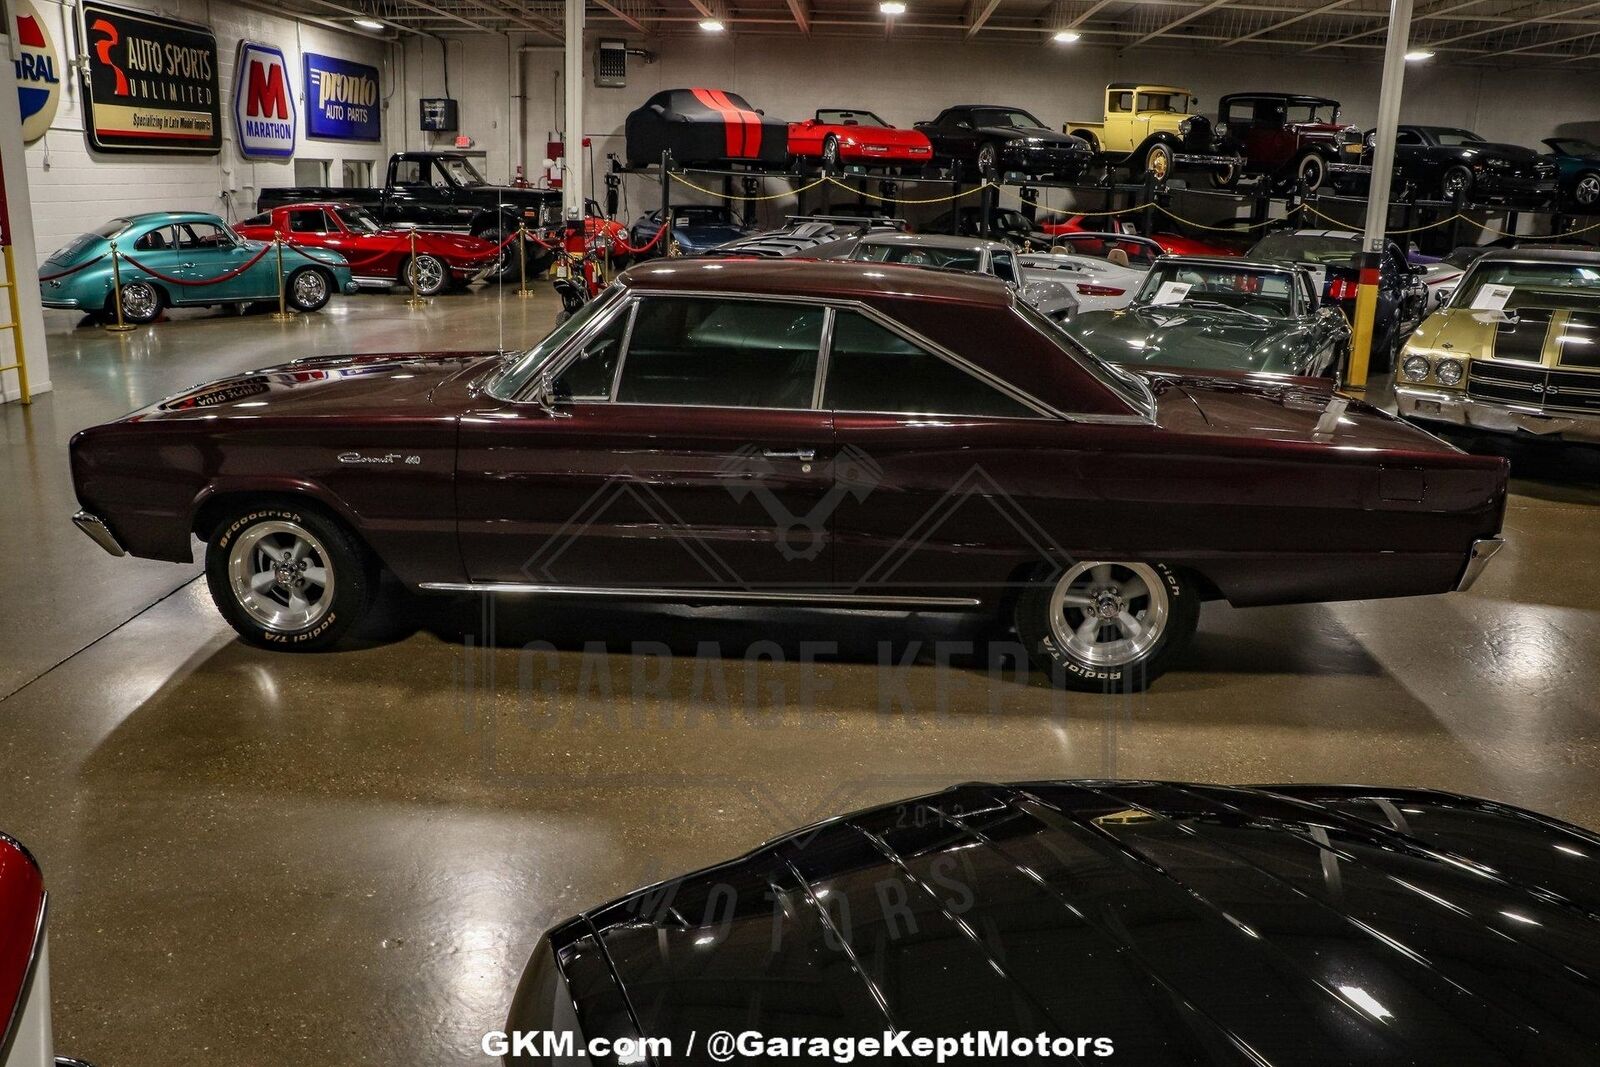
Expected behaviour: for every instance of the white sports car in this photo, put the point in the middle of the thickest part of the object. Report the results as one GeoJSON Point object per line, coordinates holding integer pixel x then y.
{"type": "Point", "coordinates": [974, 255]}
{"type": "Point", "coordinates": [1103, 270]}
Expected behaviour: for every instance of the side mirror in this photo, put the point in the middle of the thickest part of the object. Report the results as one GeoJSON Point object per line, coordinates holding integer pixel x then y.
{"type": "Point", "coordinates": [544, 394]}
{"type": "Point", "coordinates": [1444, 295]}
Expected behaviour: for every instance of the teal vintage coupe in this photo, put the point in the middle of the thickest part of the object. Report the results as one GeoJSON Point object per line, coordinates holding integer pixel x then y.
{"type": "Point", "coordinates": [1222, 314]}
{"type": "Point", "coordinates": [184, 259]}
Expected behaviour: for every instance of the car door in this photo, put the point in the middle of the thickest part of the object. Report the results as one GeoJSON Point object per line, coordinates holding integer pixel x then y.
{"type": "Point", "coordinates": [218, 262]}
{"type": "Point", "coordinates": [410, 192]}
{"type": "Point", "coordinates": [683, 449]}
{"type": "Point", "coordinates": [157, 250]}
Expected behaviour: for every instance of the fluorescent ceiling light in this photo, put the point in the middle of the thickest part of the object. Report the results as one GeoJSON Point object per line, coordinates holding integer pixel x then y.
{"type": "Point", "coordinates": [1418, 56]}
{"type": "Point", "coordinates": [712, 25]}
{"type": "Point", "coordinates": [370, 24]}
{"type": "Point", "coordinates": [1066, 37]}
{"type": "Point", "coordinates": [892, 7]}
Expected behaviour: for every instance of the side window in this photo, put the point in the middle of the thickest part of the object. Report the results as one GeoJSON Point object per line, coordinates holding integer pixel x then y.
{"type": "Point", "coordinates": [721, 353]}
{"type": "Point", "coordinates": [308, 221]}
{"type": "Point", "coordinates": [257, 220]}
{"type": "Point", "coordinates": [590, 375]}
{"type": "Point", "coordinates": [872, 368]}
{"type": "Point", "coordinates": [1121, 101]}
{"type": "Point", "coordinates": [1005, 268]}
{"type": "Point", "coordinates": [1407, 137]}
{"type": "Point", "coordinates": [200, 236]}
{"type": "Point", "coordinates": [157, 240]}
{"type": "Point", "coordinates": [409, 172]}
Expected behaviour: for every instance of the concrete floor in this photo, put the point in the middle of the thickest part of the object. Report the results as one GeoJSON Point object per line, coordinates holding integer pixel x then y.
{"type": "Point", "coordinates": [259, 858]}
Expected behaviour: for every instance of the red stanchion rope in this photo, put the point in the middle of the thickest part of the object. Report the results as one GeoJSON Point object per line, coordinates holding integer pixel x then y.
{"type": "Point", "coordinates": [225, 276]}
{"type": "Point", "coordinates": [490, 253]}
{"type": "Point", "coordinates": [620, 242]}
{"type": "Point", "coordinates": [305, 253]}
{"type": "Point", "coordinates": [73, 270]}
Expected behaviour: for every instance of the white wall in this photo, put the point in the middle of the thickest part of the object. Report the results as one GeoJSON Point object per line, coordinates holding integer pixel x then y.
{"type": "Point", "coordinates": [75, 188]}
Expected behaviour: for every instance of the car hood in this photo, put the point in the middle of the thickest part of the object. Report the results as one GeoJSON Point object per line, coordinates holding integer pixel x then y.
{"type": "Point", "coordinates": [439, 240]}
{"type": "Point", "coordinates": [1180, 337]}
{"type": "Point", "coordinates": [1186, 924]}
{"type": "Point", "coordinates": [358, 385]}
{"type": "Point", "coordinates": [1508, 151]}
{"type": "Point", "coordinates": [709, 235]}
{"type": "Point", "coordinates": [1033, 134]}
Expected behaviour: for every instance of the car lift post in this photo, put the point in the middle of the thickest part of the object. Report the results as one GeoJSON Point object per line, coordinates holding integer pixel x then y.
{"type": "Point", "coordinates": [1377, 227]}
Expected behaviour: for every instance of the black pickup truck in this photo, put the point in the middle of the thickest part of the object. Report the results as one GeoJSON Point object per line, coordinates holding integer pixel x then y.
{"type": "Point", "coordinates": [442, 190]}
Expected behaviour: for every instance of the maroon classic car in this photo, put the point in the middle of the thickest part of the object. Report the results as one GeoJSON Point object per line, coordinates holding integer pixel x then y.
{"type": "Point", "coordinates": [1289, 138]}
{"type": "Point", "coordinates": [824, 433]}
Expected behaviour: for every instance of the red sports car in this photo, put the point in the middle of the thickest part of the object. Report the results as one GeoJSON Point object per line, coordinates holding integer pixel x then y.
{"type": "Point", "coordinates": [25, 1034]}
{"type": "Point", "coordinates": [1171, 243]}
{"type": "Point", "coordinates": [837, 136]}
{"type": "Point", "coordinates": [378, 256]}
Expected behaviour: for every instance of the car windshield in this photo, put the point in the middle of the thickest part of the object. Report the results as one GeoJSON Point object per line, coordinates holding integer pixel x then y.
{"type": "Point", "coordinates": [518, 369]}
{"type": "Point", "coordinates": [1171, 103]}
{"type": "Point", "coordinates": [1572, 146]}
{"type": "Point", "coordinates": [1004, 116]}
{"type": "Point", "coordinates": [460, 171]}
{"type": "Point", "coordinates": [702, 216]}
{"type": "Point", "coordinates": [1308, 112]}
{"type": "Point", "coordinates": [357, 220]}
{"type": "Point", "coordinates": [1456, 138]}
{"type": "Point", "coordinates": [917, 255]}
{"type": "Point", "coordinates": [1568, 286]}
{"type": "Point", "coordinates": [1102, 245]}
{"type": "Point", "coordinates": [1218, 287]}
{"type": "Point", "coordinates": [840, 117]}
{"type": "Point", "coordinates": [1303, 248]}
{"type": "Point", "coordinates": [1127, 385]}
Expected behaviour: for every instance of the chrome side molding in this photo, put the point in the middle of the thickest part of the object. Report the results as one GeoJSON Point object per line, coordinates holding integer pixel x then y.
{"type": "Point", "coordinates": [702, 595]}
{"type": "Point", "coordinates": [1482, 552]}
{"type": "Point", "coordinates": [99, 532]}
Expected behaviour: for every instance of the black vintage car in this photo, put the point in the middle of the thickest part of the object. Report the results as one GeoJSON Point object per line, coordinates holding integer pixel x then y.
{"type": "Point", "coordinates": [1439, 162]}
{"type": "Point", "coordinates": [994, 140]}
{"type": "Point", "coordinates": [1145, 923]}
{"type": "Point", "coordinates": [705, 127]}
{"type": "Point", "coordinates": [1004, 224]}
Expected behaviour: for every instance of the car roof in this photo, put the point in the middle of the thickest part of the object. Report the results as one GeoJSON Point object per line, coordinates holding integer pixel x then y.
{"type": "Point", "coordinates": [936, 240]}
{"type": "Point", "coordinates": [146, 217]}
{"type": "Point", "coordinates": [1147, 85]}
{"type": "Point", "coordinates": [1294, 98]}
{"type": "Point", "coordinates": [1567, 254]}
{"type": "Point", "coordinates": [1316, 233]}
{"type": "Point", "coordinates": [1230, 263]}
{"type": "Point", "coordinates": [826, 279]}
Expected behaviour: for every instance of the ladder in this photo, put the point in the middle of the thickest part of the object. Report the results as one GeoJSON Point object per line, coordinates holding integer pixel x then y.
{"type": "Point", "coordinates": [9, 284]}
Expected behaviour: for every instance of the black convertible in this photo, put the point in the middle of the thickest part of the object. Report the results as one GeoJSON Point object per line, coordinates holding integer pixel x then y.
{"type": "Point", "coordinates": [1438, 162]}
{"type": "Point", "coordinates": [1145, 923]}
{"type": "Point", "coordinates": [994, 140]}
{"type": "Point", "coordinates": [705, 127]}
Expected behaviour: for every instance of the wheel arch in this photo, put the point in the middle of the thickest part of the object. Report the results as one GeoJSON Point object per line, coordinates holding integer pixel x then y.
{"type": "Point", "coordinates": [215, 502]}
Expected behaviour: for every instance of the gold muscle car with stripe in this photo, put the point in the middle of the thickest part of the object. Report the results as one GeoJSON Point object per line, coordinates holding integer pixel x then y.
{"type": "Point", "coordinates": [1515, 349]}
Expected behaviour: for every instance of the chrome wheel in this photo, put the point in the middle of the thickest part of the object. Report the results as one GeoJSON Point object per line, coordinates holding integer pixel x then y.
{"type": "Point", "coordinates": [1109, 614]}
{"type": "Point", "coordinates": [1456, 180]}
{"type": "Point", "coordinates": [1587, 191]}
{"type": "Point", "coordinates": [281, 576]}
{"type": "Point", "coordinates": [310, 289]}
{"type": "Point", "coordinates": [987, 159]}
{"type": "Point", "coordinates": [140, 302]}
{"type": "Point", "coordinates": [1159, 161]}
{"type": "Point", "coordinates": [1312, 171]}
{"type": "Point", "coordinates": [830, 153]}
{"type": "Point", "coordinates": [429, 274]}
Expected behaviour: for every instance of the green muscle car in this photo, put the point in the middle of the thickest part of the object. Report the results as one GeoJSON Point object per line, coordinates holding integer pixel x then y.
{"type": "Point", "coordinates": [1224, 314]}
{"type": "Point", "coordinates": [184, 259]}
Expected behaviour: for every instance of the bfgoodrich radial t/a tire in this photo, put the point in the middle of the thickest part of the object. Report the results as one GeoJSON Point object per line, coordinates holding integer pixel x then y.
{"type": "Point", "coordinates": [286, 576]}
{"type": "Point", "coordinates": [1106, 626]}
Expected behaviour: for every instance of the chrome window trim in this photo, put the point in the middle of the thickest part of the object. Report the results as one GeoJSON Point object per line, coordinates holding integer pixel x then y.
{"type": "Point", "coordinates": [817, 597]}
{"type": "Point", "coordinates": [559, 358]}
{"type": "Point", "coordinates": [824, 357]}
{"type": "Point", "coordinates": [570, 356]}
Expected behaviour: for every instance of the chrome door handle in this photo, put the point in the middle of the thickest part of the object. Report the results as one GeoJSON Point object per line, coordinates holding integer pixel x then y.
{"type": "Point", "coordinates": [186, 264]}
{"type": "Point", "coordinates": [804, 454]}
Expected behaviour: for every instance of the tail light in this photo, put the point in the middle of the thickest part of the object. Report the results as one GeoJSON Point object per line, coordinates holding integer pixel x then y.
{"type": "Point", "coordinates": [1085, 289]}
{"type": "Point", "coordinates": [1341, 289]}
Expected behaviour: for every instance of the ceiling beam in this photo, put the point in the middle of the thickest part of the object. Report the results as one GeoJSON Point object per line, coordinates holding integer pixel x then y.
{"type": "Point", "coordinates": [801, 10]}
{"type": "Point", "coordinates": [704, 9]}
{"type": "Point", "coordinates": [1181, 20]}
{"type": "Point", "coordinates": [623, 15]}
{"type": "Point", "coordinates": [517, 19]}
{"type": "Point", "coordinates": [978, 12]}
{"type": "Point", "coordinates": [1532, 20]}
{"type": "Point", "coordinates": [1541, 44]}
{"type": "Point", "coordinates": [1383, 26]}
{"type": "Point", "coordinates": [1323, 10]}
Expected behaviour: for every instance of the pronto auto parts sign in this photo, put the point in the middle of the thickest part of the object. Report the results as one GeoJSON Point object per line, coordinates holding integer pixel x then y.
{"type": "Point", "coordinates": [150, 84]}
{"type": "Point", "coordinates": [38, 71]}
{"type": "Point", "coordinates": [342, 101]}
{"type": "Point", "coordinates": [263, 111]}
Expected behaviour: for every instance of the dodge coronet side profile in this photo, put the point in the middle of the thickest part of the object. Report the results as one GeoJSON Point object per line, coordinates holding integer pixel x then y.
{"type": "Point", "coordinates": [830, 434]}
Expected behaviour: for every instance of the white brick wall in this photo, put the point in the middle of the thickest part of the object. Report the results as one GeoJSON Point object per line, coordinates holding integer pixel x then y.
{"type": "Point", "coordinates": [74, 189]}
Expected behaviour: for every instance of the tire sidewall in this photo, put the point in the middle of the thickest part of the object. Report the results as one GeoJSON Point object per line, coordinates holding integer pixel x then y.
{"type": "Point", "coordinates": [1311, 165]}
{"type": "Point", "coordinates": [156, 303]}
{"type": "Point", "coordinates": [444, 274]}
{"type": "Point", "coordinates": [294, 297]}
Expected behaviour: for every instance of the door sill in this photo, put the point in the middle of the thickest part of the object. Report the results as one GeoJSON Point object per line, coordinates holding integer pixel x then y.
{"type": "Point", "coordinates": [704, 595]}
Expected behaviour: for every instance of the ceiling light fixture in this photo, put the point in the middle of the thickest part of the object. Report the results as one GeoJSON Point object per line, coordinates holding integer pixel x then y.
{"type": "Point", "coordinates": [891, 7]}
{"type": "Point", "coordinates": [712, 25]}
{"type": "Point", "coordinates": [370, 24]}
{"type": "Point", "coordinates": [1418, 56]}
{"type": "Point", "coordinates": [1066, 37]}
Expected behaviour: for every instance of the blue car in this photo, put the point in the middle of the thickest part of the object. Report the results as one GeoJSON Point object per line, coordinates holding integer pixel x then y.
{"type": "Point", "coordinates": [184, 259]}
{"type": "Point", "coordinates": [696, 227]}
{"type": "Point", "coordinates": [1579, 164]}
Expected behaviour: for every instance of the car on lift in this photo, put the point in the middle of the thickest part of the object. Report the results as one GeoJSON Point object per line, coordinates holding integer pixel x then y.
{"type": "Point", "coordinates": [838, 137]}
{"type": "Point", "coordinates": [937, 251]}
{"type": "Point", "coordinates": [378, 257]}
{"type": "Point", "coordinates": [1196, 314]}
{"type": "Point", "coordinates": [1443, 162]}
{"type": "Point", "coordinates": [442, 191]}
{"type": "Point", "coordinates": [1154, 129]}
{"type": "Point", "coordinates": [798, 432]}
{"type": "Point", "coordinates": [993, 140]}
{"type": "Point", "coordinates": [1516, 348]}
{"type": "Point", "coordinates": [1578, 167]}
{"type": "Point", "coordinates": [1147, 923]}
{"type": "Point", "coordinates": [804, 235]}
{"type": "Point", "coordinates": [704, 128]}
{"type": "Point", "coordinates": [1104, 270]}
{"type": "Point", "coordinates": [1287, 138]}
{"type": "Point", "coordinates": [1173, 244]}
{"type": "Point", "coordinates": [1004, 224]}
{"type": "Point", "coordinates": [184, 259]}
{"type": "Point", "coordinates": [696, 228]}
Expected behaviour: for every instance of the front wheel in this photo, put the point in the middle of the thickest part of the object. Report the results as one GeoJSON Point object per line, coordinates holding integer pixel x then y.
{"type": "Point", "coordinates": [432, 277]}
{"type": "Point", "coordinates": [830, 155]}
{"type": "Point", "coordinates": [308, 289]}
{"type": "Point", "coordinates": [1158, 161]}
{"type": "Point", "coordinates": [288, 577]}
{"type": "Point", "coordinates": [1225, 177]}
{"type": "Point", "coordinates": [1108, 627]}
{"type": "Point", "coordinates": [1311, 171]}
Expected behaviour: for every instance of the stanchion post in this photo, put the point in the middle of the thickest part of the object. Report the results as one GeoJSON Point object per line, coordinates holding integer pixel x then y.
{"type": "Point", "coordinates": [522, 260]}
{"type": "Point", "coordinates": [414, 301]}
{"type": "Point", "coordinates": [282, 313]}
{"type": "Point", "coordinates": [116, 292]}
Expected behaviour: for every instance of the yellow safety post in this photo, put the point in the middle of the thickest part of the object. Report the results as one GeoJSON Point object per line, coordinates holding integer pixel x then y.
{"type": "Point", "coordinates": [15, 326]}
{"type": "Point", "coordinates": [414, 301]}
{"type": "Point", "coordinates": [1366, 316]}
{"type": "Point", "coordinates": [116, 292]}
{"type": "Point", "coordinates": [282, 314]}
{"type": "Point", "coordinates": [522, 259]}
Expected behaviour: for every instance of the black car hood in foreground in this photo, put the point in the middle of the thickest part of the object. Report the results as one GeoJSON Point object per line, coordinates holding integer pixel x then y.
{"type": "Point", "coordinates": [1292, 925]}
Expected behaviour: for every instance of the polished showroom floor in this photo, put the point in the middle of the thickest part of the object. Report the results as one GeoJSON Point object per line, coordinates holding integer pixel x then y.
{"type": "Point", "coordinates": [260, 858]}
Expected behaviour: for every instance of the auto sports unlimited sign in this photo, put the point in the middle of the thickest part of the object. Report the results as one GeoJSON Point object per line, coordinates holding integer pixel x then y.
{"type": "Point", "coordinates": [263, 112]}
{"type": "Point", "coordinates": [38, 69]}
{"type": "Point", "coordinates": [342, 100]}
{"type": "Point", "coordinates": [150, 84]}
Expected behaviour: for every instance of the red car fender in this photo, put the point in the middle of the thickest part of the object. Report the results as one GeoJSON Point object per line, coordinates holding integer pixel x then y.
{"type": "Point", "coordinates": [22, 911]}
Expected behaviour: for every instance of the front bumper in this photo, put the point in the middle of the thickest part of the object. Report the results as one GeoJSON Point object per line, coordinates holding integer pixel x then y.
{"type": "Point", "coordinates": [1438, 405]}
{"type": "Point", "coordinates": [99, 532]}
{"type": "Point", "coordinates": [1045, 160]}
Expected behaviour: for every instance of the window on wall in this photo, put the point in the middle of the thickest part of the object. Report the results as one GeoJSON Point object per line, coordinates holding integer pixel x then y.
{"type": "Point", "coordinates": [311, 171]}
{"type": "Point", "coordinates": [357, 173]}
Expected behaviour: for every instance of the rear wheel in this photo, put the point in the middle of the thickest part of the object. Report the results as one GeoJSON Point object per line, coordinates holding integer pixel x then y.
{"type": "Point", "coordinates": [287, 576]}
{"type": "Point", "coordinates": [1107, 627]}
{"type": "Point", "coordinates": [141, 303]}
{"type": "Point", "coordinates": [1586, 191]}
{"type": "Point", "coordinates": [308, 289]}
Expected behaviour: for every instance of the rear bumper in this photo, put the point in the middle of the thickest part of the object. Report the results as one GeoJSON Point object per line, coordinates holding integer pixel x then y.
{"type": "Point", "coordinates": [1482, 552]}
{"type": "Point", "coordinates": [99, 533]}
{"type": "Point", "coordinates": [1437, 405]}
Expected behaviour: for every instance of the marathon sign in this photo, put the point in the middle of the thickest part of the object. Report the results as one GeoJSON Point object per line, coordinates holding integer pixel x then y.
{"type": "Point", "coordinates": [342, 101]}
{"type": "Point", "coordinates": [150, 83]}
{"type": "Point", "coordinates": [263, 111]}
{"type": "Point", "coordinates": [38, 70]}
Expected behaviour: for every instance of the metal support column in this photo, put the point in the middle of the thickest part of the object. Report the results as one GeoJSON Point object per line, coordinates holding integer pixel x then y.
{"type": "Point", "coordinates": [1394, 75]}
{"type": "Point", "coordinates": [572, 179]}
